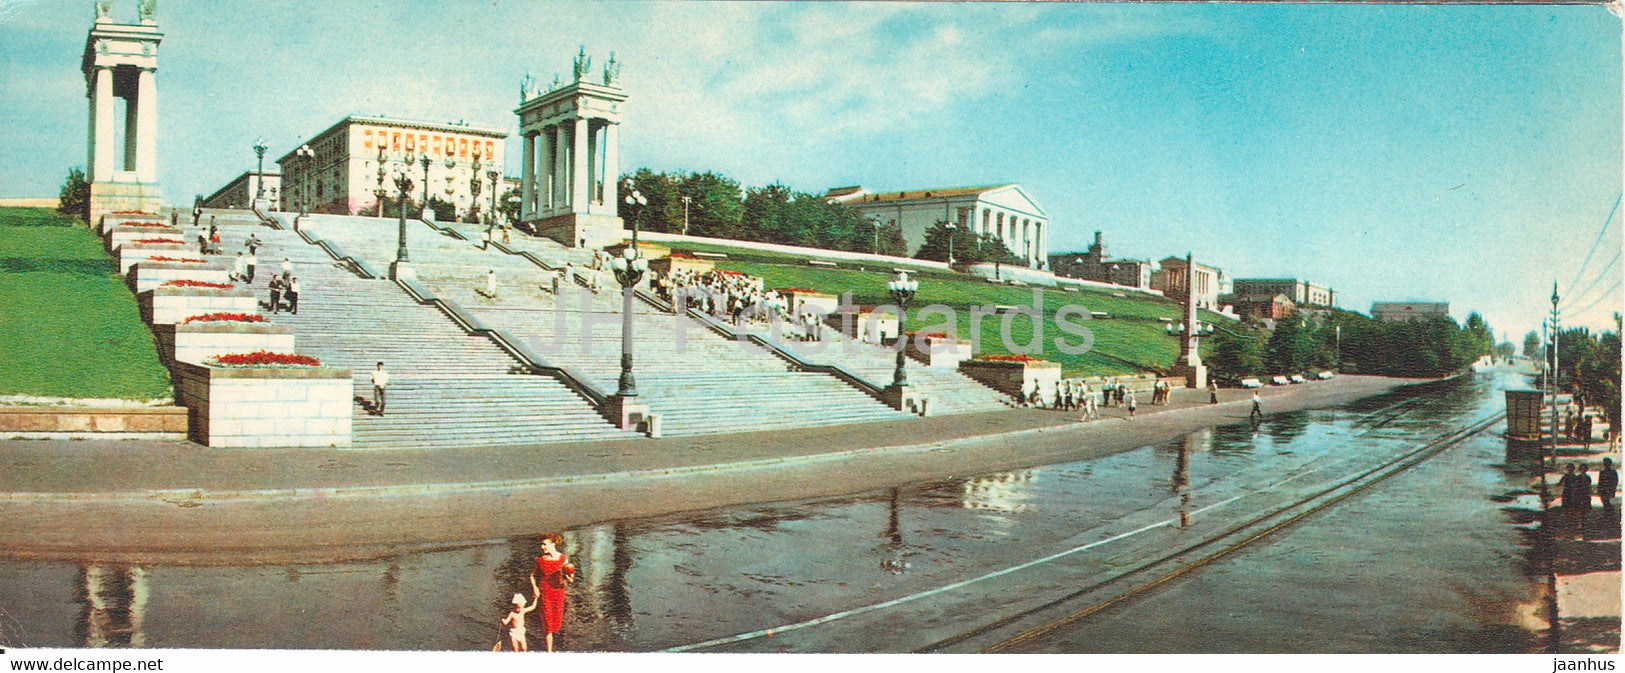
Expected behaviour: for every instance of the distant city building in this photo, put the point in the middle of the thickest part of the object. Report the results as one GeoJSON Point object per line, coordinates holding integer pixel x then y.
{"type": "Point", "coordinates": [1301, 292]}
{"type": "Point", "coordinates": [1262, 306]}
{"type": "Point", "coordinates": [343, 177]}
{"type": "Point", "coordinates": [1006, 212]}
{"type": "Point", "coordinates": [1398, 311]}
{"type": "Point", "coordinates": [1211, 282]}
{"type": "Point", "coordinates": [240, 193]}
{"type": "Point", "coordinates": [1094, 265]}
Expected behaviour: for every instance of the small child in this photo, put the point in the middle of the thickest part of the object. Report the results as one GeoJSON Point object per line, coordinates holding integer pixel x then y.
{"type": "Point", "coordinates": [515, 621]}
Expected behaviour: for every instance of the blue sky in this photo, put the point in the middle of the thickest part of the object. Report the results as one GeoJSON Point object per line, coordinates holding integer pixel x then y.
{"type": "Point", "coordinates": [1460, 153]}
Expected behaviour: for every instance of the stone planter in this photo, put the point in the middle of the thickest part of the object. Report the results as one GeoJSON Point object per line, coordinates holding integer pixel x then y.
{"type": "Point", "coordinates": [109, 222]}
{"type": "Point", "coordinates": [121, 235]}
{"type": "Point", "coordinates": [939, 351]}
{"type": "Point", "coordinates": [865, 325]}
{"type": "Point", "coordinates": [270, 407]}
{"type": "Point", "coordinates": [129, 254]}
{"type": "Point", "coordinates": [1012, 377]}
{"type": "Point", "coordinates": [147, 274]}
{"type": "Point", "coordinates": [194, 341]}
{"type": "Point", "coordinates": [824, 304]}
{"type": "Point", "coordinates": [170, 305]}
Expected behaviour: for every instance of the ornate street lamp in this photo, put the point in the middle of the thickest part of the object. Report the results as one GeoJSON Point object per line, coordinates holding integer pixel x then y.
{"type": "Point", "coordinates": [307, 157]}
{"type": "Point", "coordinates": [382, 173]}
{"type": "Point", "coordinates": [259, 173]}
{"type": "Point", "coordinates": [629, 270]}
{"type": "Point", "coordinates": [425, 161]}
{"type": "Point", "coordinates": [902, 290]}
{"type": "Point", "coordinates": [686, 200]}
{"type": "Point", "coordinates": [952, 229]}
{"type": "Point", "coordinates": [875, 223]}
{"type": "Point", "coordinates": [400, 268]}
{"type": "Point", "coordinates": [495, 176]}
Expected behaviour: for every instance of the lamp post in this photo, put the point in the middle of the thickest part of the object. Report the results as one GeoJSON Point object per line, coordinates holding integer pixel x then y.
{"type": "Point", "coordinates": [425, 161]}
{"type": "Point", "coordinates": [686, 199]}
{"type": "Point", "coordinates": [306, 156]}
{"type": "Point", "coordinates": [629, 269]}
{"type": "Point", "coordinates": [952, 229]}
{"type": "Point", "coordinates": [494, 175]}
{"type": "Point", "coordinates": [401, 268]}
{"type": "Point", "coordinates": [902, 290]}
{"type": "Point", "coordinates": [259, 172]}
{"type": "Point", "coordinates": [381, 174]}
{"type": "Point", "coordinates": [874, 222]}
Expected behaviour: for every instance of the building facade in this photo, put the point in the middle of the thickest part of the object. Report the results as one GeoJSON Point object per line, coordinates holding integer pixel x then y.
{"type": "Point", "coordinates": [1301, 292]}
{"type": "Point", "coordinates": [570, 171]}
{"type": "Point", "coordinates": [1094, 265]}
{"type": "Point", "coordinates": [240, 193]}
{"type": "Point", "coordinates": [1262, 306]}
{"type": "Point", "coordinates": [1006, 212]}
{"type": "Point", "coordinates": [354, 162]}
{"type": "Point", "coordinates": [1211, 282]}
{"type": "Point", "coordinates": [1399, 311]}
{"type": "Point", "coordinates": [120, 64]}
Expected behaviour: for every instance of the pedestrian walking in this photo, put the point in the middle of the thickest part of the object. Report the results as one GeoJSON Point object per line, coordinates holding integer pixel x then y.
{"type": "Point", "coordinates": [1132, 405]}
{"type": "Point", "coordinates": [505, 239]}
{"type": "Point", "coordinates": [1212, 392]}
{"type": "Point", "coordinates": [251, 262]}
{"type": "Point", "coordinates": [515, 621]}
{"type": "Point", "coordinates": [197, 212]}
{"type": "Point", "coordinates": [239, 267]}
{"type": "Point", "coordinates": [202, 243]}
{"type": "Point", "coordinates": [287, 267]}
{"type": "Point", "coordinates": [491, 283]}
{"type": "Point", "coordinates": [556, 575]}
{"type": "Point", "coordinates": [380, 381]}
{"type": "Point", "coordinates": [485, 239]}
{"type": "Point", "coordinates": [1607, 483]}
{"type": "Point", "coordinates": [1582, 486]}
{"type": "Point", "coordinates": [293, 295]}
{"type": "Point", "coordinates": [1570, 486]}
{"type": "Point", "coordinates": [276, 294]}
{"type": "Point", "coordinates": [214, 241]}
{"type": "Point", "coordinates": [1257, 414]}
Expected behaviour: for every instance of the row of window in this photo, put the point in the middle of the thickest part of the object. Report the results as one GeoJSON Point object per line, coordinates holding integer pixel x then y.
{"type": "Point", "coordinates": [434, 145]}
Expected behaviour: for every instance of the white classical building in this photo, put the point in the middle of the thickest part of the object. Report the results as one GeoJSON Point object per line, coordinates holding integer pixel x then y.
{"type": "Point", "coordinates": [570, 166]}
{"type": "Point", "coordinates": [241, 192]}
{"type": "Point", "coordinates": [1004, 211]}
{"type": "Point", "coordinates": [120, 64]}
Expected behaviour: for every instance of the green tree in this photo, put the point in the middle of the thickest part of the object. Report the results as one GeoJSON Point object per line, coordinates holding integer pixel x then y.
{"type": "Point", "coordinates": [508, 205]}
{"type": "Point", "coordinates": [968, 247]}
{"type": "Point", "coordinates": [1292, 347]}
{"type": "Point", "coordinates": [74, 199]}
{"type": "Point", "coordinates": [1531, 344]}
{"type": "Point", "coordinates": [1238, 351]}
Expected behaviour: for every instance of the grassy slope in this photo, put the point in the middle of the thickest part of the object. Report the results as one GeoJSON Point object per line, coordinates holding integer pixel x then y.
{"type": "Point", "coordinates": [1134, 333]}
{"type": "Point", "coordinates": [69, 327]}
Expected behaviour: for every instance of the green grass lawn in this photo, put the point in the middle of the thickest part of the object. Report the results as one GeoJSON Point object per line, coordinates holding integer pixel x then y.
{"type": "Point", "coordinates": [69, 327]}
{"type": "Point", "coordinates": [1131, 341]}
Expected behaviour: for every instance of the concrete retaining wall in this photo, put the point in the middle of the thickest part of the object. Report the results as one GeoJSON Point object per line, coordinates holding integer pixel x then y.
{"type": "Point", "coordinates": [146, 422]}
{"type": "Point", "coordinates": [170, 305]}
{"type": "Point", "coordinates": [294, 407]}
{"type": "Point", "coordinates": [1011, 377]}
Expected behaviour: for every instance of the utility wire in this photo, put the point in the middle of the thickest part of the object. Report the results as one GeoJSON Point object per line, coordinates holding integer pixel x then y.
{"type": "Point", "coordinates": [1601, 276]}
{"type": "Point", "coordinates": [1575, 313]}
{"type": "Point", "coordinates": [1598, 242]}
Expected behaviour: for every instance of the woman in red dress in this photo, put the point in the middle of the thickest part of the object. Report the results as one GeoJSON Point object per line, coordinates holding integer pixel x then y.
{"type": "Point", "coordinates": [556, 574]}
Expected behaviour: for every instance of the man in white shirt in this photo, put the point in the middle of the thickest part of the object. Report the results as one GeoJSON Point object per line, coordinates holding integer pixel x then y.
{"type": "Point", "coordinates": [1258, 408]}
{"type": "Point", "coordinates": [380, 380]}
{"type": "Point", "coordinates": [250, 263]}
{"type": "Point", "coordinates": [239, 268]}
{"type": "Point", "coordinates": [287, 266]}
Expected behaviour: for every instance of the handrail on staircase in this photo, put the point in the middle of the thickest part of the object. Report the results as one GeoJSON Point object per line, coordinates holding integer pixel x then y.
{"type": "Point", "coordinates": [361, 267]}
{"type": "Point", "coordinates": [838, 371]}
{"type": "Point", "coordinates": [516, 347]}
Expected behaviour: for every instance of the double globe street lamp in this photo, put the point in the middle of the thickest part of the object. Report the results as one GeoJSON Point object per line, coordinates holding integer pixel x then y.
{"type": "Point", "coordinates": [400, 268]}
{"type": "Point", "coordinates": [629, 270]}
{"type": "Point", "coordinates": [306, 157]}
{"type": "Point", "coordinates": [259, 171]}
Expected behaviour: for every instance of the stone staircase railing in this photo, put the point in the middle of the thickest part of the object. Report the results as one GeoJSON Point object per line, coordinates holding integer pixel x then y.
{"type": "Point", "coordinates": [571, 378]}
{"type": "Point", "coordinates": [801, 364]}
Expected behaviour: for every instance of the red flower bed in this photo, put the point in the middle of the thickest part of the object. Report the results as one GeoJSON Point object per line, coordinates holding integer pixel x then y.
{"type": "Point", "coordinates": [726, 272]}
{"type": "Point", "coordinates": [929, 335]}
{"type": "Point", "coordinates": [795, 290]}
{"type": "Point", "coordinates": [158, 241]}
{"type": "Point", "coordinates": [132, 212]}
{"type": "Point", "coordinates": [227, 317]}
{"type": "Point", "coordinates": [147, 225]}
{"type": "Point", "coordinates": [264, 359]}
{"type": "Point", "coordinates": [198, 283]}
{"type": "Point", "coordinates": [1009, 358]}
{"type": "Point", "coordinates": [187, 260]}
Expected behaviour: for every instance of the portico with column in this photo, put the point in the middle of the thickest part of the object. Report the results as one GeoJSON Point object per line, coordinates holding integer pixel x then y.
{"type": "Point", "coordinates": [571, 163]}
{"type": "Point", "coordinates": [120, 64]}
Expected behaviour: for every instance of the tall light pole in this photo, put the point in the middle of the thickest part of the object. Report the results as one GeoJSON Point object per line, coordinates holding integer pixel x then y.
{"type": "Point", "coordinates": [401, 268]}
{"type": "Point", "coordinates": [306, 157]}
{"type": "Point", "coordinates": [451, 185]}
{"type": "Point", "coordinates": [382, 173]}
{"type": "Point", "coordinates": [902, 290]}
{"type": "Point", "coordinates": [425, 160]}
{"type": "Point", "coordinates": [495, 176]}
{"type": "Point", "coordinates": [686, 199]}
{"type": "Point", "coordinates": [629, 269]}
{"type": "Point", "coordinates": [874, 222]}
{"type": "Point", "coordinates": [1556, 337]}
{"type": "Point", "coordinates": [952, 229]}
{"type": "Point", "coordinates": [259, 172]}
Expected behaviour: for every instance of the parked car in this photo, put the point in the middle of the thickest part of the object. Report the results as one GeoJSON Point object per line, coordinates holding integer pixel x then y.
{"type": "Point", "coordinates": [1298, 378]}
{"type": "Point", "coordinates": [1252, 383]}
{"type": "Point", "coordinates": [1324, 375]}
{"type": "Point", "coordinates": [1280, 380]}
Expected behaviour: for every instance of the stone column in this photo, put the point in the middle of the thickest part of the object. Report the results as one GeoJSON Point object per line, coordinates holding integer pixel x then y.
{"type": "Point", "coordinates": [527, 178]}
{"type": "Point", "coordinates": [146, 127]}
{"type": "Point", "coordinates": [580, 175]}
{"type": "Point", "coordinates": [561, 167]}
{"type": "Point", "coordinates": [101, 125]}
{"type": "Point", "coordinates": [544, 170]}
{"type": "Point", "coordinates": [594, 131]}
{"type": "Point", "coordinates": [612, 166]}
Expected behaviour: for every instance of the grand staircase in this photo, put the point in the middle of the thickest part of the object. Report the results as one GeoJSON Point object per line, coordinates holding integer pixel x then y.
{"type": "Point", "coordinates": [447, 388]}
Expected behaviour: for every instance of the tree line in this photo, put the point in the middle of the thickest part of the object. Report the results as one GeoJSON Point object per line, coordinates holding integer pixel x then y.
{"type": "Point", "coordinates": [1352, 343]}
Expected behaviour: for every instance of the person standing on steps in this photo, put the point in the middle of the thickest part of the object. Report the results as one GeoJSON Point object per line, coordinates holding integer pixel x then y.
{"type": "Point", "coordinates": [251, 262]}
{"type": "Point", "coordinates": [293, 295]}
{"type": "Point", "coordinates": [556, 575]}
{"type": "Point", "coordinates": [239, 268]}
{"type": "Point", "coordinates": [1257, 414]}
{"type": "Point", "coordinates": [276, 294]}
{"type": "Point", "coordinates": [380, 381]}
{"type": "Point", "coordinates": [197, 212]}
{"type": "Point", "coordinates": [287, 267]}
